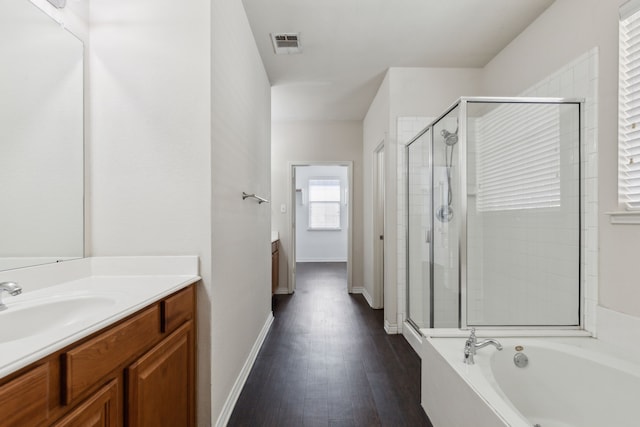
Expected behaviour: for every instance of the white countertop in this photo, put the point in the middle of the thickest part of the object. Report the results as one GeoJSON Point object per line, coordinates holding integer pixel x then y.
{"type": "Point", "coordinates": [113, 288]}
{"type": "Point", "coordinates": [274, 236]}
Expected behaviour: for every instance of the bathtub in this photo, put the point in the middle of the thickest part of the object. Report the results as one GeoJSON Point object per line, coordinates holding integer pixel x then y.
{"type": "Point", "coordinates": [568, 382]}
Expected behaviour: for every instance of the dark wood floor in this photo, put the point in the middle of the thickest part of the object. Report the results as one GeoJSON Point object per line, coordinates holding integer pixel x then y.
{"type": "Point", "coordinates": [328, 362]}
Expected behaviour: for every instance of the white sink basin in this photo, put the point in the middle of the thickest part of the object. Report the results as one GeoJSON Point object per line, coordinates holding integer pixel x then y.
{"type": "Point", "coordinates": [28, 318]}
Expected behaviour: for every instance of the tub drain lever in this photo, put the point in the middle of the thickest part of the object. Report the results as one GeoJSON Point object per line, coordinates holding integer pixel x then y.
{"type": "Point", "coordinates": [520, 359]}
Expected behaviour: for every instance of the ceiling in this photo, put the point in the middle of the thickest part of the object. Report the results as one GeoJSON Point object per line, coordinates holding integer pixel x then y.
{"type": "Point", "coordinates": [349, 44]}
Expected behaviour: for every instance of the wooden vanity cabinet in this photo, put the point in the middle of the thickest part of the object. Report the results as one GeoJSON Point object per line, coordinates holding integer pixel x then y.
{"type": "Point", "coordinates": [137, 372]}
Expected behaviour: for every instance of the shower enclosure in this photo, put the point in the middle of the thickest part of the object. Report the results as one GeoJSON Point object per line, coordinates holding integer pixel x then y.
{"type": "Point", "coordinates": [494, 218]}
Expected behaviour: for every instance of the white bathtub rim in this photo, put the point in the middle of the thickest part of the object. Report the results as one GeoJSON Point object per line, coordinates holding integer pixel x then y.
{"type": "Point", "coordinates": [486, 387]}
{"type": "Point", "coordinates": [489, 394]}
{"type": "Point", "coordinates": [505, 333]}
{"type": "Point", "coordinates": [595, 351]}
{"type": "Point", "coordinates": [440, 414]}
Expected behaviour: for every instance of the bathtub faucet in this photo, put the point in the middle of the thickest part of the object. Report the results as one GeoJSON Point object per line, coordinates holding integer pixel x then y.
{"type": "Point", "coordinates": [472, 345]}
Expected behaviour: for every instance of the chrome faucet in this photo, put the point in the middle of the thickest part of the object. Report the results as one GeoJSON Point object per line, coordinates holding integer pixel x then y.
{"type": "Point", "coordinates": [12, 288]}
{"type": "Point", "coordinates": [472, 345]}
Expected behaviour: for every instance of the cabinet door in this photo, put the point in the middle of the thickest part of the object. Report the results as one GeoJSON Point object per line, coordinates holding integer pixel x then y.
{"type": "Point", "coordinates": [99, 410]}
{"type": "Point", "coordinates": [161, 383]}
{"type": "Point", "coordinates": [24, 400]}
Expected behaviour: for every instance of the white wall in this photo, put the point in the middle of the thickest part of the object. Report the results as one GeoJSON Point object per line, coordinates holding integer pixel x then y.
{"type": "Point", "coordinates": [321, 245]}
{"type": "Point", "coordinates": [179, 127]}
{"type": "Point", "coordinates": [149, 149]}
{"type": "Point", "coordinates": [423, 92]}
{"type": "Point", "coordinates": [566, 30]}
{"type": "Point", "coordinates": [240, 161]}
{"type": "Point", "coordinates": [317, 141]}
{"type": "Point", "coordinates": [577, 78]}
{"type": "Point", "coordinates": [375, 130]}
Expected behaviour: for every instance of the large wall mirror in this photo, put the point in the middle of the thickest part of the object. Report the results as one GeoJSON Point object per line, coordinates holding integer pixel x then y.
{"type": "Point", "coordinates": [41, 139]}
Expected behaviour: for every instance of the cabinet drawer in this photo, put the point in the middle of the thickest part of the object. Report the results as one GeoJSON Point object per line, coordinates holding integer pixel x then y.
{"type": "Point", "coordinates": [90, 362]}
{"type": "Point", "coordinates": [26, 398]}
{"type": "Point", "coordinates": [177, 309]}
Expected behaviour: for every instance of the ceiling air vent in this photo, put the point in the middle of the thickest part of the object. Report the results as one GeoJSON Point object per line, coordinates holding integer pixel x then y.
{"type": "Point", "coordinates": [286, 43]}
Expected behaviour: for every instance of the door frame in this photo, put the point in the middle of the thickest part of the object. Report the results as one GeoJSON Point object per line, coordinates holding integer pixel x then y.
{"type": "Point", "coordinates": [291, 171]}
{"type": "Point", "coordinates": [378, 224]}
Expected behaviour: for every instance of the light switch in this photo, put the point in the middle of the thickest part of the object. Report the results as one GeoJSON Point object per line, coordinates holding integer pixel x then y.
{"type": "Point", "coordinates": [283, 208]}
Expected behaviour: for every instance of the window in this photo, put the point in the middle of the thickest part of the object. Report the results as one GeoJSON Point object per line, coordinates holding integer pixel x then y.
{"type": "Point", "coordinates": [324, 204]}
{"type": "Point", "coordinates": [518, 157]}
{"type": "Point", "coordinates": [629, 106]}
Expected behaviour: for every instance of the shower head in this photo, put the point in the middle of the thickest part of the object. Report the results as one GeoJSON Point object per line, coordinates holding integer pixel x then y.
{"type": "Point", "coordinates": [450, 138]}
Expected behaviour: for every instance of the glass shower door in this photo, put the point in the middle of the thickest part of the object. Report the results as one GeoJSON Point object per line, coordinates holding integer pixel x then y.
{"type": "Point", "coordinates": [523, 222]}
{"type": "Point", "coordinates": [447, 214]}
{"type": "Point", "coordinates": [494, 216]}
{"type": "Point", "coordinates": [419, 231]}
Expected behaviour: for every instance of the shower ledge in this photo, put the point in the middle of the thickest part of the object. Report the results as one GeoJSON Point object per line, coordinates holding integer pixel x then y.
{"type": "Point", "coordinates": [449, 332]}
{"type": "Point", "coordinates": [624, 217]}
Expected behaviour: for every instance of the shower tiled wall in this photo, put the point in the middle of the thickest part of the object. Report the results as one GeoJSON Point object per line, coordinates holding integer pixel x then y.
{"type": "Point", "coordinates": [578, 79]}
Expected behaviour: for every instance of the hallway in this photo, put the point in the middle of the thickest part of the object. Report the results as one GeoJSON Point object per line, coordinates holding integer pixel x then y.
{"type": "Point", "coordinates": [328, 362]}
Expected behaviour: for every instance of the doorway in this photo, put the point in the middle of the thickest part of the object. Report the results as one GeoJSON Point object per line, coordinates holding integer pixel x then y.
{"type": "Point", "coordinates": [378, 226]}
{"type": "Point", "coordinates": [321, 216]}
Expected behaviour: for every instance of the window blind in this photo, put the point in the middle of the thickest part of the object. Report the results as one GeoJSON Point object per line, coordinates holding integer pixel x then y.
{"type": "Point", "coordinates": [324, 203]}
{"type": "Point", "coordinates": [518, 157]}
{"type": "Point", "coordinates": [629, 111]}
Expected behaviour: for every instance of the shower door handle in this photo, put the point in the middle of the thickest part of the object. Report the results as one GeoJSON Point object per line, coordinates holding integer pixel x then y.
{"type": "Point", "coordinates": [427, 236]}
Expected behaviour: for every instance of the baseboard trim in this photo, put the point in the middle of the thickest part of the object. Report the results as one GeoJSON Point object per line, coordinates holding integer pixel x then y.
{"type": "Point", "coordinates": [282, 291]}
{"type": "Point", "coordinates": [390, 328]}
{"type": "Point", "coordinates": [368, 297]}
{"type": "Point", "coordinates": [321, 260]}
{"type": "Point", "coordinates": [414, 338]}
{"type": "Point", "coordinates": [232, 399]}
{"type": "Point", "coordinates": [400, 323]}
{"type": "Point", "coordinates": [362, 290]}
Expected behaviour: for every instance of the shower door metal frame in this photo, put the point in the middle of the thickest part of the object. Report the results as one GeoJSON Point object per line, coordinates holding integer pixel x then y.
{"type": "Point", "coordinates": [428, 129]}
{"type": "Point", "coordinates": [462, 103]}
{"type": "Point", "coordinates": [462, 226]}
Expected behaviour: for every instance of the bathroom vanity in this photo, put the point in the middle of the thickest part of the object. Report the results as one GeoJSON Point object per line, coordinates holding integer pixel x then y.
{"type": "Point", "coordinates": [130, 361]}
{"type": "Point", "coordinates": [142, 365]}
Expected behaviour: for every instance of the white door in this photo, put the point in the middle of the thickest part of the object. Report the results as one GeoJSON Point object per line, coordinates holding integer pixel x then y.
{"type": "Point", "coordinates": [378, 227]}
